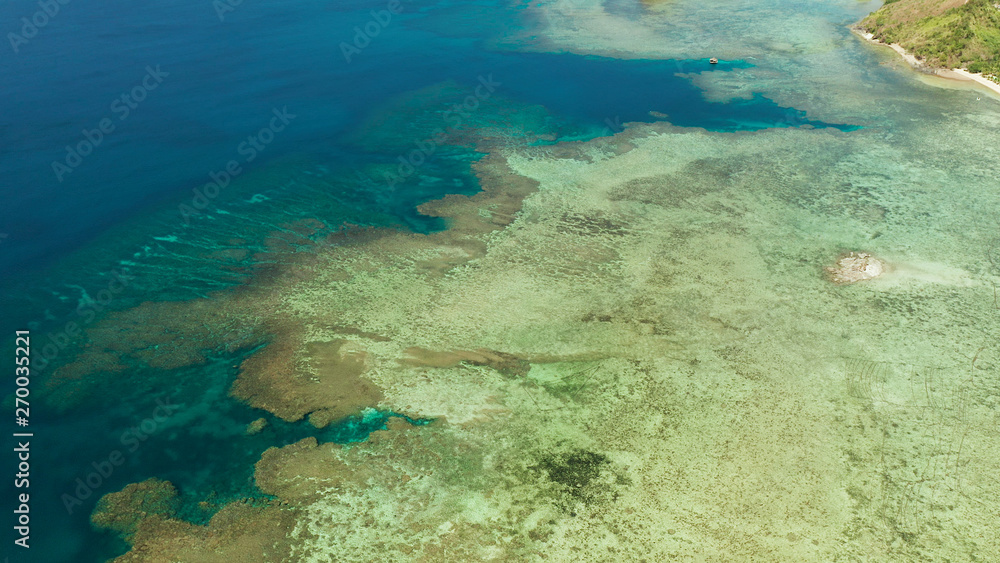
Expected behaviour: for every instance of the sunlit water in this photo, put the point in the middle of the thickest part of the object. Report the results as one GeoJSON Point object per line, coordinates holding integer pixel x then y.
{"type": "Point", "coordinates": [356, 109]}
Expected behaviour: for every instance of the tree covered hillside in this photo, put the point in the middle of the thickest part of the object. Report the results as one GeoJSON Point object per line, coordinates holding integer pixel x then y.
{"type": "Point", "coordinates": [945, 33]}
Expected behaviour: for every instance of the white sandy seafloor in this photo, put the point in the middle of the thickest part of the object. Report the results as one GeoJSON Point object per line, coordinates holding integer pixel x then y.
{"type": "Point", "coordinates": [667, 289]}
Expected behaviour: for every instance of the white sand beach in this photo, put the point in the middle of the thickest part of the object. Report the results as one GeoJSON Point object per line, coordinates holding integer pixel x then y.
{"type": "Point", "coordinates": [958, 74]}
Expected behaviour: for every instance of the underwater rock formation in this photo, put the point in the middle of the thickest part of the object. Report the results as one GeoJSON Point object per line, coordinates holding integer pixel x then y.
{"type": "Point", "coordinates": [855, 267]}
{"type": "Point", "coordinates": [144, 514]}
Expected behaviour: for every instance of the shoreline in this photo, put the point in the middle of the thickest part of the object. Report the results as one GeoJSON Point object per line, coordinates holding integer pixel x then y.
{"type": "Point", "coordinates": [955, 74]}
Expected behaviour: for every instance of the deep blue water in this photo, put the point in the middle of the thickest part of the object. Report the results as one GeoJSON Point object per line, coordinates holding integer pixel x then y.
{"type": "Point", "coordinates": [215, 82]}
{"type": "Point", "coordinates": [224, 78]}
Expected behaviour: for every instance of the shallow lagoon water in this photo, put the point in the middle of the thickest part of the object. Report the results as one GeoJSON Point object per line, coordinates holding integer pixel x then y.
{"type": "Point", "coordinates": [815, 186]}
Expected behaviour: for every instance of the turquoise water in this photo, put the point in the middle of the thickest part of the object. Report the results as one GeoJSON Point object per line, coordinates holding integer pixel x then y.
{"type": "Point", "coordinates": [264, 57]}
{"type": "Point", "coordinates": [180, 426]}
{"type": "Point", "coordinates": [120, 211]}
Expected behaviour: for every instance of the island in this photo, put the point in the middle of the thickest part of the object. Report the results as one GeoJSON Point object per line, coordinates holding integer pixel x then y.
{"type": "Point", "coordinates": [954, 38]}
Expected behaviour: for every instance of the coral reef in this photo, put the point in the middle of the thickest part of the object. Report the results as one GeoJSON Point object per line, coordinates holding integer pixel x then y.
{"type": "Point", "coordinates": [256, 426]}
{"type": "Point", "coordinates": [642, 362]}
{"type": "Point", "coordinates": [629, 351]}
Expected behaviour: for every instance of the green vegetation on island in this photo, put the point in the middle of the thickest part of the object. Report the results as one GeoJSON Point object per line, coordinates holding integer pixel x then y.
{"type": "Point", "coordinates": [944, 33]}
